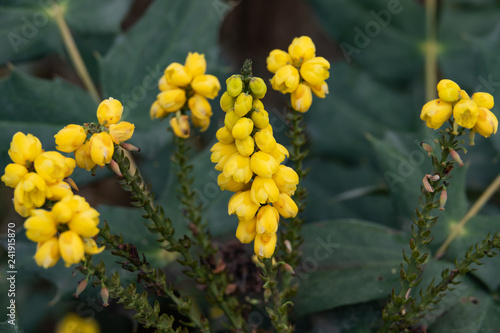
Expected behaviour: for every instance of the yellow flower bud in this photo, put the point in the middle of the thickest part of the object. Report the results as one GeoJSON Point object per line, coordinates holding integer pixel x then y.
{"type": "Point", "coordinates": [24, 148]}
{"type": "Point", "coordinates": [286, 179]}
{"type": "Point", "coordinates": [264, 190]}
{"type": "Point", "coordinates": [446, 84]}
{"type": "Point", "coordinates": [487, 122]}
{"type": "Point", "coordinates": [202, 123]}
{"type": "Point", "coordinates": [164, 85]}
{"type": "Point", "coordinates": [436, 113]}
{"type": "Point", "coordinates": [450, 95]}
{"type": "Point", "coordinates": [483, 100]}
{"type": "Point", "coordinates": [315, 70]}
{"type": "Point", "coordinates": [172, 100]}
{"type": "Point", "coordinates": [226, 102]}
{"type": "Point", "coordinates": [286, 79]}
{"type": "Point", "coordinates": [53, 167]}
{"type": "Point", "coordinates": [90, 246]}
{"type": "Point", "coordinates": [238, 167]}
{"type": "Point", "coordinates": [40, 227]}
{"type": "Point", "coordinates": [242, 128]}
{"type": "Point", "coordinates": [70, 138]}
{"type": "Point", "coordinates": [301, 49]}
{"type": "Point", "coordinates": [177, 74]}
{"type": "Point", "coordinates": [242, 205]}
{"type": "Point", "coordinates": [64, 210]}
{"type": "Point", "coordinates": [246, 230]}
{"type": "Point", "coordinates": [156, 111]}
{"type": "Point", "coordinates": [243, 104]}
{"type": "Point", "coordinates": [84, 223]}
{"type": "Point", "coordinates": [301, 98]}
{"type": "Point", "coordinates": [234, 85]}
{"type": "Point", "coordinates": [101, 148]}
{"type": "Point", "coordinates": [258, 87]}
{"type": "Point", "coordinates": [199, 106]}
{"type": "Point", "coordinates": [195, 64]}
{"type": "Point", "coordinates": [464, 95]}
{"type": "Point", "coordinates": [109, 111]}
{"type": "Point", "coordinates": [267, 220]}
{"type": "Point", "coordinates": [320, 90]}
{"type": "Point", "coordinates": [224, 135]}
{"type": "Point", "coordinates": [229, 184]}
{"type": "Point", "coordinates": [121, 132]}
{"type": "Point", "coordinates": [230, 119]}
{"type": "Point", "coordinates": [285, 206]}
{"type": "Point", "coordinates": [279, 153]}
{"type": "Point", "coordinates": [83, 157]}
{"type": "Point", "coordinates": [246, 146]}
{"type": "Point", "coordinates": [268, 128]}
{"type": "Point", "coordinates": [465, 113]}
{"type": "Point", "coordinates": [221, 153]}
{"type": "Point", "coordinates": [257, 104]}
{"type": "Point", "coordinates": [30, 193]}
{"type": "Point", "coordinates": [13, 174]}
{"type": "Point", "coordinates": [277, 59]}
{"type": "Point", "coordinates": [263, 164]}
{"type": "Point", "coordinates": [264, 245]}
{"type": "Point", "coordinates": [58, 190]}
{"type": "Point", "coordinates": [265, 141]}
{"type": "Point", "coordinates": [47, 253]}
{"type": "Point", "coordinates": [260, 118]}
{"type": "Point", "coordinates": [71, 248]}
{"type": "Point", "coordinates": [206, 85]}
{"type": "Point", "coordinates": [180, 126]}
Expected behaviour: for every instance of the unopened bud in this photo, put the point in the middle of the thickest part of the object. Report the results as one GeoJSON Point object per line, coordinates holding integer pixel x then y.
{"type": "Point", "coordinates": [288, 268]}
{"type": "Point", "coordinates": [427, 148]}
{"type": "Point", "coordinates": [288, 246]}
{"type": "Point", "coordinates": [434, 178]}
{"type": "Point", "coordinates": [427, 185]}
{"type": "Point", "coordinates": [81, 287]}
{"type": "Point", "coordinates": [72, 183]}
{"type": "Point", "coordinates": [130, 147]}
{"type": "Point", "coordinates": [104, 295]}
{"type": "Point", "coordinates": [442, 198]}
{"type": "Point", "coordinates": [456, 157]}
{"type": "Point", "coordinates": [116, 169]}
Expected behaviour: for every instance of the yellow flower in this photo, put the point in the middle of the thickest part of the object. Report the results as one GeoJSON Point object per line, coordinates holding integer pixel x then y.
{"type": "Point", "coordinates": [243, 104]}
{"type": "Point", "coordinates": [234, 85]}
{"type": "Point", "coordinates": [221, 153]}
{"type": "Point", "coordinates": [224, 135]}
{"type": "Point", "coordinates": [121, 132]}
{"type": "Point", "coordinates": [72, 323]}
{"type": "Point", "coordinates": [13, 174]}
{"type": "Point", "coordinates": [40, 227]}
{"type": "Point", "coordinates": [203, 123]}
{"type": "Point", "coordinates": [58, 190]}
{"type": "Point", "coordinates": [177, 74]}
{"type": "Point", "coordinates": [84, 223]}
{"type": "Point", "coordinates": [47, 253]}
{"type": "Point", "coordinates": [230, 119]}
{"type": "Point", "coordinates": [246, 230]}
{"type": "Point", "coordinates": [286, 179]}
{"type": "Point", "coordinates": [260, 118]}
{"type": "Point", "coordinates": [264, 245]}
{"type": "Point", "coordinates": [301, 98]}
{"type": "Point", "coordinates": [286, 79]}
{"type": "Point", "coordinates": [301, 49]}
{"type": "Point", "coordinates": [465, 113]}
{"type": "Point", "coordinates": [246, 146]}
{"type": "Point", "coordinates": [264, 190]}
{"type": "Point", "coordinates": [70, 138]}
{"type": "Point", "coordinates": [263, 164]}
{"type": "Point", "coordinates": [277, 59]}
{"type": "Point", "coordinates": [448, 91]}
{"type": "Point", "coordinates": [109, 111]}
{"type": "Point", "coordinates": [315, 70]}
{"type": "Point", "coordinates": [156, 111]}
{"type": "Point", "coordinates": [83, 156]}
{"type": "Point", "coordinates": [258, 105]}
{"type": "Point", "coordinates": [436, 113]}
{"type": "Point", "coordinates": [445, 84]}
{"type": "Point", "coordinates": [483, 100]}
{"type": "Point", "coordinates": [320, 90]}
{"type": "Point", "coordinates": [180, 126]}
{"type": "Point", "coordinates": [64, 210]}
{"type": "Point", "coordinates": [206, 85]}
{"type": "Point", "coordinates": [242, 205]}
{"type": "Point", "coordinates": [54, 167]}
{"type": "Point", "coordinates": [90, 246]}
{"type": "Point", "coordinates": [242, 128]}
{"type": "Point", "coordinates": [71, 248]}
{"type": "Point", "coordinates": [279, 153]}
{"type": "Point", "coordinates": [487, 122]}
{"type": "Point", "coordinates": [229, 184]}
{"type": "Point", "coordinates": [199, 106]}
{"type": "Point", "coordinates": [267, 220]}
{"type": "Point", "coordinates": [285, 206]}
{"type": "Point", "coordinates": [195, 64]}
{"type": "Point", "coordinates": [171, 100]}
{"type": "Point", "coordinates": [258, 87]}
{"type": "Point", "coordinates": [226, 102]}
{"type": "Point", "coordinates": [164, 85]}
{"type": "Point", "coordinates": [101, 148]}
{"type": "Point", "coordinates": [265, 141]}
{"type": "Point", "coordinates": [29, 193]}
{"type": "Point", "coordinates": [24, 148]}
{"type": "Point", "coordinates": [238, 167]}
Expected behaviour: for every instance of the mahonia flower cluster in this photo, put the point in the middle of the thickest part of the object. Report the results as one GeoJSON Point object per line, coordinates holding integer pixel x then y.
{"type": "Point", "coordinates": [249, 159]}
{"type": "Point", "coordinates": [299, 72]}
{"type": "Point", "coordinates": [99, 148]}
{"type": "Point", "coordinates": [472, 113]}
{"type": "Point", "coordinates": [186, 87]}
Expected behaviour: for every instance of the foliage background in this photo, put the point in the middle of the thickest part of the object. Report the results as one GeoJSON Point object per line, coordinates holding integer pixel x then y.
{"type": "Point", "coordinates": [364, 142]}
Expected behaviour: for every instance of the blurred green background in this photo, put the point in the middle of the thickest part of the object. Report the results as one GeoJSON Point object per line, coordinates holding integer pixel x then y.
{"type": "Point", "coordinates": [365, 157]}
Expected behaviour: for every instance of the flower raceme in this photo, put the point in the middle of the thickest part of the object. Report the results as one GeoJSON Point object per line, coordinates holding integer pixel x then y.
{"type": "Point", "coordinates": [249, 158]}
{"type": "Point", "coordinates": [186, 87]}
{"type": "Point", "coordinates": [299, 72]}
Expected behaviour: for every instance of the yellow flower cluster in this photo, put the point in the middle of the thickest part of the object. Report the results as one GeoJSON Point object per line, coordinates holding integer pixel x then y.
{"type": "Point", "coordinates": [72, 323]}
{"type": "Point", "coordinates": [186, 87]}
{"type": "Point", "coordinates": [99, 148]}
{"type": "Point", "coordinates": [36, 175]}
{"type": "Point", "coordinates": [66, 231]}
{"type": "Point", "coordinates": [249, 159]}
{"type": "Point", "coordinates": [299, 72]}
{"type": "Point", "coordinates": [472, 113]}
